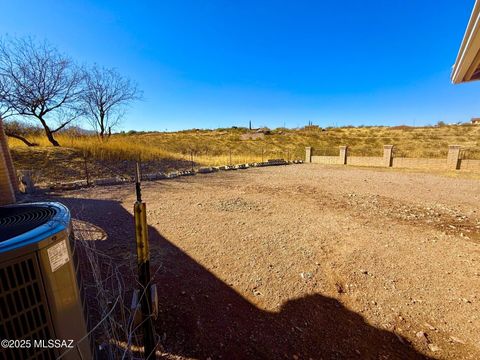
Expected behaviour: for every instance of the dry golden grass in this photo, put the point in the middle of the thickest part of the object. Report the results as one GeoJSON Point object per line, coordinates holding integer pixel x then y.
{"type": "Point", "coordinates": [214, 146]}
{"type": "Point", "coordinates": [225, 146]}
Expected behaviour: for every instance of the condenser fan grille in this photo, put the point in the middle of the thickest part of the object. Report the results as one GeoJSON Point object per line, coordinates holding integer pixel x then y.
{"type": "Point", "coordinates": [24, 310]}
{"type": "Point", "coordinates": [18, 220]}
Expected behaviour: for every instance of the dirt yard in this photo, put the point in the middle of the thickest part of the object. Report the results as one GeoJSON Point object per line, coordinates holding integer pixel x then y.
{"type": "Point", "coordinates": [306, 261]}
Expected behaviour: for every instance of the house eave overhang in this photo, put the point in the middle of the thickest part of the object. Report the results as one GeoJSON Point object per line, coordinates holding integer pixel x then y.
{"type": "Point", "coordinates": [467, 64]}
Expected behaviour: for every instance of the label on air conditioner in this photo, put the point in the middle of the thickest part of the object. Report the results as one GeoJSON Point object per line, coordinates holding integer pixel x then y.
{"type": "Point", "coordinates": [58, 255]}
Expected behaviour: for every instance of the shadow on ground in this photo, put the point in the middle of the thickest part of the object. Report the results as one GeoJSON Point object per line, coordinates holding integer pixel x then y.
{"type": "Point", "coordinates": [202, 317]}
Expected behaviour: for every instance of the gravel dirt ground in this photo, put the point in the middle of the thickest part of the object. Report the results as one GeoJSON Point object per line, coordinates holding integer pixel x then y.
{"type": "Point", "coordinates": [306, 261]}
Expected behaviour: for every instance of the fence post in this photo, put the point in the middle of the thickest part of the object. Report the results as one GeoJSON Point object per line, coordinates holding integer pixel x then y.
{"type": "Point", "coordinates": [453, 158]}
{"type": "Point", "coordinates": [308, 154]}
{"type": "Point", "coordinates": [343, 155]}
{"type": "Point", "coordinates": [387, 155]}
{"type": "Point", "coordinates": [85, 165]}
{"type": "Point", "coordinates": [143, 263]}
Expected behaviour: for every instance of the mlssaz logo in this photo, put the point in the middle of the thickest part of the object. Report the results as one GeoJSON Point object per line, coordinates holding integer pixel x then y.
{"type": "Point", "coordinates": [53, 344]}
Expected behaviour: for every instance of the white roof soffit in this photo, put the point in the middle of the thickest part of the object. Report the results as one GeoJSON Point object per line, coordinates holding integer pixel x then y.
{"type": "Point", "coordinates": [467, 64]}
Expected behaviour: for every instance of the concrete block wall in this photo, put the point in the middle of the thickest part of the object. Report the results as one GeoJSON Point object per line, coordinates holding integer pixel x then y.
{"type": "Point", "coordinates": [420, 163]}
{"type": "Point", "coordinates": [365, 161]}
{"type": "Point", "coordinates": [452, 162]}
{"type": "Point", "coordinates": [327, 160]}
{"type": "Point", "coordinates": [470, 165]}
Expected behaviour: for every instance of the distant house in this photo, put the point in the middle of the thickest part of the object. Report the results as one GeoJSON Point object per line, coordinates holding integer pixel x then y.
{"type": "Point", "coordinates": [475, 121]}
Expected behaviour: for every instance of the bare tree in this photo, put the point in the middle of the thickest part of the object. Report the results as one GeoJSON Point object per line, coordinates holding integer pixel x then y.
{"type": "Point", "coordinates": [106, 96]}
{"type": "Point", "coordinates": [20, 131]}
{"type": "Point", "coordinates": [36, 81]}
{"type": "Point", "coordinates": [5, 89]}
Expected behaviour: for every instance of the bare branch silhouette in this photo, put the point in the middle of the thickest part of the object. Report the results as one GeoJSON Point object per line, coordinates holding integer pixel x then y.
{"type": "Point", "coordinates": [37, 81]}
{"type": "Point", "coordinates": [20, 131]}
{"type": "Point", "coordinates": [106, 96]}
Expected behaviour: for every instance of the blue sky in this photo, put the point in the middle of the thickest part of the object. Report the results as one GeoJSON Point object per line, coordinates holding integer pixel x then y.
{"type": "Point", "coordinates": [209, 64]}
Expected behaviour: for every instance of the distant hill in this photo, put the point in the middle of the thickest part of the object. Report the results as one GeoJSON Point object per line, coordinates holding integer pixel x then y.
{"type": "Point", "coordinates": [240, 145]}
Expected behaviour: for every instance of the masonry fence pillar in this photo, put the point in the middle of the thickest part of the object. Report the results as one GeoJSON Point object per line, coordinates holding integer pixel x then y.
{"type": "Point", "coordinates": [308, 154]}
{"type": "Point", "coordinates": [343, 155]}
{"type": "Point", "coordinates": [453, 158]}
{"type": "Point", "coordinates": [387, 155]}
